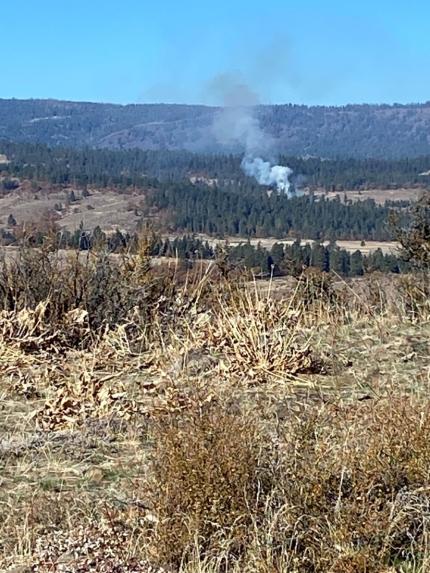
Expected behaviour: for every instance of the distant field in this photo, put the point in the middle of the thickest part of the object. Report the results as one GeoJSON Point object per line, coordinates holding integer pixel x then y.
{"type": "Point", "coordinates": [107, 208]}
{"type": "Point", "coordinates": [378, 195]}
{"type": "Point", "coordinates": [386, 247]}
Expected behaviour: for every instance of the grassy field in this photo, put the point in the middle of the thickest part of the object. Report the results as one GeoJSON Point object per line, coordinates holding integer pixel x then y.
{"type": "Point", "coordinates": [378, 195]}
{"type": "Point", "coordinates": [350, 246]}
{"type": "Point", "coordinates": [105, 208]}
{"type": "Point", "coordinates": [157, 420]}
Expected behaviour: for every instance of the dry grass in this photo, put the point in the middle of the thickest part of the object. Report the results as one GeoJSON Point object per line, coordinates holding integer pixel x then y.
{"type": "Point", "coordinates": [386, 247]}
{"type": "Point", "coordinates": [205, 426]}
{"type": "Point", "coordinates": [380, 196]}
{"type": "Point", "coordinates": [338, 488]}
{"type": "Point", "coordinates": [104, 207]}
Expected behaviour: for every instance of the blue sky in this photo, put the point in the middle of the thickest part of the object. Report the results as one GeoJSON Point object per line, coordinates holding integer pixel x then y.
{"type": "Point", "coordinates": [299, 51]}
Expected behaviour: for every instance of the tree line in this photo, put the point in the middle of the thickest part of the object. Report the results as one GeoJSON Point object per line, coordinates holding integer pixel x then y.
{"type": "Point", "coordinates": [137, 167]}
{"type": "Point", "coordinates": [226, 212]}
{"type": "Point", "coordinates": [281, 259]}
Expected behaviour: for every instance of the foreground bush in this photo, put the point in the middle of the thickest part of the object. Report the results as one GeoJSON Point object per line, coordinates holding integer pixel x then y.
{"type": "Point", "coordinates": [264, 454]}
{"type": "Point", "coordinates": [107, 288]}
{"type": "Point", "coordinates": [208, 481]}
{"type": "Point", "coordinates": [339, 489]}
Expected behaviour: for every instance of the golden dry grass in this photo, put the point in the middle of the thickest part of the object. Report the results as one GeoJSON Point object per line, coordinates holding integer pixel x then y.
{"type": "Point", "coordinates": [228, 429]}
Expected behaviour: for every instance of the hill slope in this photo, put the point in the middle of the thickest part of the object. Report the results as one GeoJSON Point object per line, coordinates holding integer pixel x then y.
{"type": "Point", "coordinates": [353, 131]}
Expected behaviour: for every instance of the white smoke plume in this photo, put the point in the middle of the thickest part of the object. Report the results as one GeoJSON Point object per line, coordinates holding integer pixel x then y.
{"type": "Point", "coordinates": [267, 174]}
{"type": "Point", "coordinates": [236, 126]}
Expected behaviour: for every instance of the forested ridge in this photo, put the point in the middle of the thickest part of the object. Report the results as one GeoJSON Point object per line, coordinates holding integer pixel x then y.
{"type": "Point", "coordinates": [209, 194]}
{"type": "Point", "coordinates": [361, 131]}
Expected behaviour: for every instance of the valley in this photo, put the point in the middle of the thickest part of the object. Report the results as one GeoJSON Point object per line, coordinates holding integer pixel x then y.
{"type": "Point", "coordinates": [213, 361]}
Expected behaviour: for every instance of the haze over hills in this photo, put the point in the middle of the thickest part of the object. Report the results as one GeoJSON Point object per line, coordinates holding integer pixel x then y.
{"type": "Point", "coordinates": [351, 131]}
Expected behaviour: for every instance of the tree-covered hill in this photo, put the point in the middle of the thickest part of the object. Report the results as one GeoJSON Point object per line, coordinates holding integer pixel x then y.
{"type": "Point", "coordinates": [361, 131]}
{"type": "Point", "coordinates": [209, 193]}
{"type": "Point", "coordinates": [137, 167]}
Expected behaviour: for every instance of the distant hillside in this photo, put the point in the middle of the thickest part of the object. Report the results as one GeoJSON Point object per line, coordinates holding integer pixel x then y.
{"type": "Point", "coordinates": [352, 131]}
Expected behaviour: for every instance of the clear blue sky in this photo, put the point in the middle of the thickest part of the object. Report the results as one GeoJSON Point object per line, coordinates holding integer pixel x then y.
{"type": "Point", "coordinates": [300, 51]}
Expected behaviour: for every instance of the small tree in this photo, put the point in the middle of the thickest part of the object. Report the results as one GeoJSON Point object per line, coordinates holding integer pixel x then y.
{"type": "Point", "coordinates": [415, 238]}
{"type": "Point", "coordinates": [10, 184]}
{"type": "Point", "coordinates": [71, 197]}
{"type": "Point", "coordinates": [11, 221]}
{"type": "Point", "coordinates": [357, 264]}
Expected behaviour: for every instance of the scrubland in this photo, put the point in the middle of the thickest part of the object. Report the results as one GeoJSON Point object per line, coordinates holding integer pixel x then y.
{"type": "Point", "coordinates": [174, 420]}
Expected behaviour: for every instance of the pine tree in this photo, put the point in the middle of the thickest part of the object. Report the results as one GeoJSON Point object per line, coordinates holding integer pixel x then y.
{"type": "Point", "coordinates": [11, 221]}
{"type": "Point", "coordinates": [356, 264]}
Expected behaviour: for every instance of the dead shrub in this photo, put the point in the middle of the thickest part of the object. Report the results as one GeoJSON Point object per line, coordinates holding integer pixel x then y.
{"type": "Point", "coordinates": [30, 330]}
{"type": "Point", "coordinates": [209, 483]}
{"type": "Point", "coordinates": [106, 288]}
{"type": "Point", "coordinates": [346, 471]}
{"type": "Point", "coordinates": [255, 338]}
{"type": "Point", "coordinates": [337, 488]}
{"type": "Point", "coordinates": [414, 296]}
{"type": "Point", "coordinates": [323, 301]}
{"type": "Point", "coordinates": [315, 286]}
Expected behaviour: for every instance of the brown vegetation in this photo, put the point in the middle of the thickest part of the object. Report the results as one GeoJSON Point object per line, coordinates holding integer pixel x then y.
{"type": "Point", "coordinates": [169, 420]}
{"type": "Point", "coordinates": [107, 208]}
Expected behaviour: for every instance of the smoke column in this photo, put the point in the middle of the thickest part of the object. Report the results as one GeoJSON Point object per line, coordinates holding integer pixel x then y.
{"type": "Point", "coordinates": [237, 126]}
{"type": "Point", "coordinates": [267, 174]}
